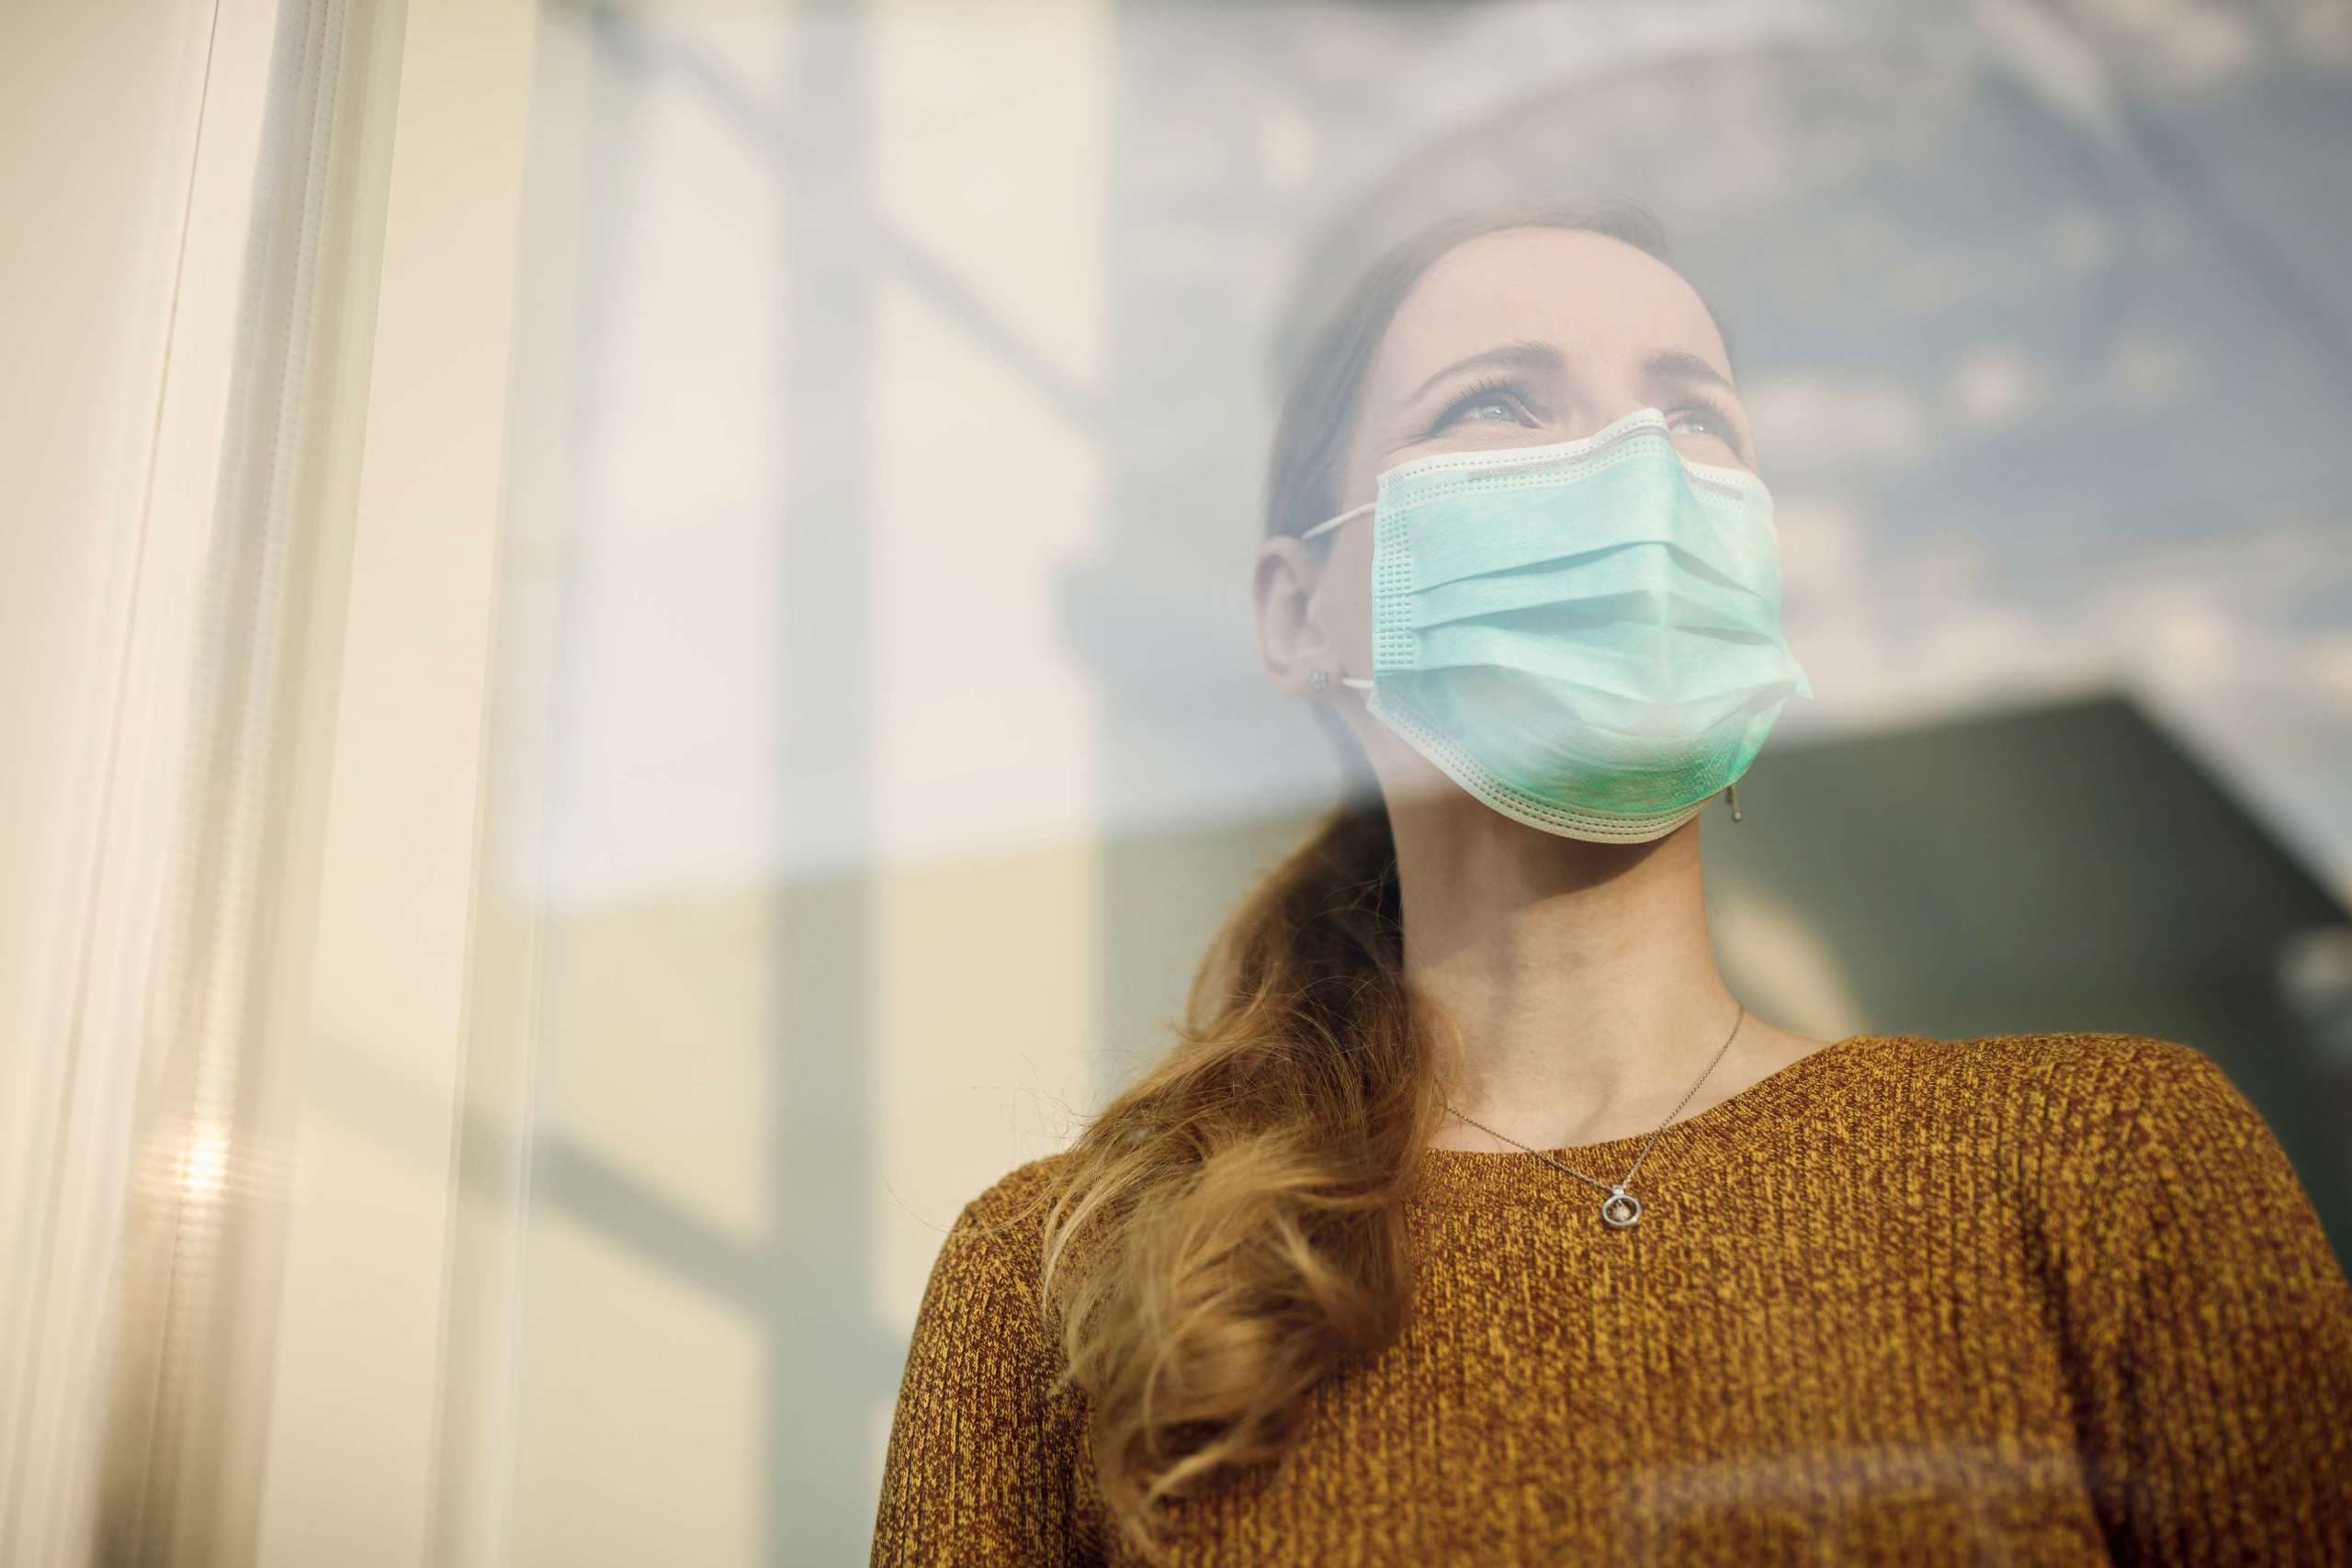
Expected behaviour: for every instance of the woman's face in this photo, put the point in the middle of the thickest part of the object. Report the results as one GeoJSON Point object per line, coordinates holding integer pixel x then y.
{"type": "Point", "coordinates": [1518, 338]}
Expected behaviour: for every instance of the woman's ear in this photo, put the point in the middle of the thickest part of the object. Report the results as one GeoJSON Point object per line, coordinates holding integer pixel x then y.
{"type": "Point", "coordinates": [1290, 639]}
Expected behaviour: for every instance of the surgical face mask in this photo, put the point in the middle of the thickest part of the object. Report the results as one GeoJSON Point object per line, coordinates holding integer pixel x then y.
{"type": "Point", "coordinates": [1584, 636]}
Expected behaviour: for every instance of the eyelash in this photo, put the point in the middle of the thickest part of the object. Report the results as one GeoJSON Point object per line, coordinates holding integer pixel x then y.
{"type": "Point", "coordinates": [1715, 412]}
{"type": "Point", "coordinates": [1472, 397]}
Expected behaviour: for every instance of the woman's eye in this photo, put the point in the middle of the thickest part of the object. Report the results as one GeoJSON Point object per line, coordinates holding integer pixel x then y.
{"type": "Point", "coordinates": [1699, 419]}
{"type": "Point", "coordinates": [1484, 404]}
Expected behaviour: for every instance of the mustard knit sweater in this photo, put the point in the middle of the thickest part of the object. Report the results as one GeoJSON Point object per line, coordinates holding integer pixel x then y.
{"type": "Point", "coordinates": [2027, 1300]}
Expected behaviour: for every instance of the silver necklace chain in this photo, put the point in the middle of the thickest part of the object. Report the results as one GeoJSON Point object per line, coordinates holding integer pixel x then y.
{"type": "Point", "coordinates": [1621, 1209]}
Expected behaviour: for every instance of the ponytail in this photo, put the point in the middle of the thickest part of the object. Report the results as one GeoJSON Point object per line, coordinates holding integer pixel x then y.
{"type": "Point", "coordinates": [1229, 1232]}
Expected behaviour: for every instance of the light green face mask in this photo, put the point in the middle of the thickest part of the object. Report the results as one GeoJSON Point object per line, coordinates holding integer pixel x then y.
{"type": "Point", "coordinates": [1584, 636]}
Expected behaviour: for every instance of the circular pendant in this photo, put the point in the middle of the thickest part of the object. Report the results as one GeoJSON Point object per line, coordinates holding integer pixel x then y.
{"type": "Point", "coordinates": [1621, 1210]}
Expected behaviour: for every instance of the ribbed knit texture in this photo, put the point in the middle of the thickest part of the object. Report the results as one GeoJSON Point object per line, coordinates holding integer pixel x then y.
{"type": "Point", "coordinates": [2027, 1300]}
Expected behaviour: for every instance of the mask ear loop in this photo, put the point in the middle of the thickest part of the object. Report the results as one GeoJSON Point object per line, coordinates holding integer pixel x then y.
{"type": "Point", "coordinates": [1351, 682]}
{"type": "Point", "coordinates": [1350, 515]}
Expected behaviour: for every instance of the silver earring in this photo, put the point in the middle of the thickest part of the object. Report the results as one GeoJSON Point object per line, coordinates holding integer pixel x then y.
{"type": "Point", "coordinates": [1318, 682]}
{"type": "Point", "coordinates": [1731, 797]}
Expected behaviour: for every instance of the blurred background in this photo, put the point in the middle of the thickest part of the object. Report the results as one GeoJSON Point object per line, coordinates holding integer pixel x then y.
{"type": "Point", "coordinates": [869, 733]}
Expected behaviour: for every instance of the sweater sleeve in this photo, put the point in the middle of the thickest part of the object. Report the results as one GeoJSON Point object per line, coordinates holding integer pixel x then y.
{"type": "Point", "coordinates": [981, 1466]}
{"type": "Point", "coordinates": [2220, 1377]}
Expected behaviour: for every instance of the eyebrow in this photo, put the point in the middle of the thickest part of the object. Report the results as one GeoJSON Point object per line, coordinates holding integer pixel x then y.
{"type": "Point", "coordinates": [1684, 364]}
{"type": "Point", "coordinates": [1526, 354]}
{"type": "Point", "coordinates": [1529, 354]}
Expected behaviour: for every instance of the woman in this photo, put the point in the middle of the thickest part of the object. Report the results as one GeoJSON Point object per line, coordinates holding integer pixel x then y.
{"type": "Point", "coordinates": [1474, 1220]}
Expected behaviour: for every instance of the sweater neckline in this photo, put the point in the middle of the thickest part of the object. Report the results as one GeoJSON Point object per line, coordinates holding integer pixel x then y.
{"type": "Point", "coordinates": [1453, 1178]}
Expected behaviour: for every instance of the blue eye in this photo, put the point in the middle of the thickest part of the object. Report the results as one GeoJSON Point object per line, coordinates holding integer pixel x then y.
{"type": "Point", "coordinates": [1488, 400]}
{"type": "Point", "coordinates": [1701, 419]}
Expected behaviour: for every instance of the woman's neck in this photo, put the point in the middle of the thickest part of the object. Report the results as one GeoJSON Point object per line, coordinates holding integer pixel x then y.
{"type": "Point", "coordinates": [1580, 976]}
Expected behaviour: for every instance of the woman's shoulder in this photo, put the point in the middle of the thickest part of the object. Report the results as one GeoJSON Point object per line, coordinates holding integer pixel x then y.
{"type": "Point", "coordinates": [1024, 1192]}
{"type": "Point", "coordinates": [2061, 1060]}
{"type": "Point", "coordinates": [2090, 1088]}
{"type": "Point", "coordinates": [1007, 1218]}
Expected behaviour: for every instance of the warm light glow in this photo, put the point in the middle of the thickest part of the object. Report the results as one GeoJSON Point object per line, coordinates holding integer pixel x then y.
{"type": "Point", "coordinates": [204, 1164]}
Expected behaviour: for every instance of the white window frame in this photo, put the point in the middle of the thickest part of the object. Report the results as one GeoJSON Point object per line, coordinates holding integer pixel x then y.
{"type": "Point", "coordinates": [384, 1398]}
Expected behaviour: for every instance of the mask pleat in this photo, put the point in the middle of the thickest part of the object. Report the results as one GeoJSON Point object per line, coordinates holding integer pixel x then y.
{"type": "Point", "coordinates": [1623, 587]}
{"type": "Point", "coordinates": [1651, 667]}
{"type": "Point", "coordinates": [1615, 754]}
{"type": "Point", "coordinates": [1487, 533]}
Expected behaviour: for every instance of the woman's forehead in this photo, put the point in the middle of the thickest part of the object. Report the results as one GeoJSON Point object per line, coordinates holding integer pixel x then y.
{"type": "Point", "coordinates": [1602, 301]}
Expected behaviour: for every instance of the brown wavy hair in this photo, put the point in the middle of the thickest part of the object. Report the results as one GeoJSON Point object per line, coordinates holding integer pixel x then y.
{"type": "Point", "coordinates": [1228, 1232]}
